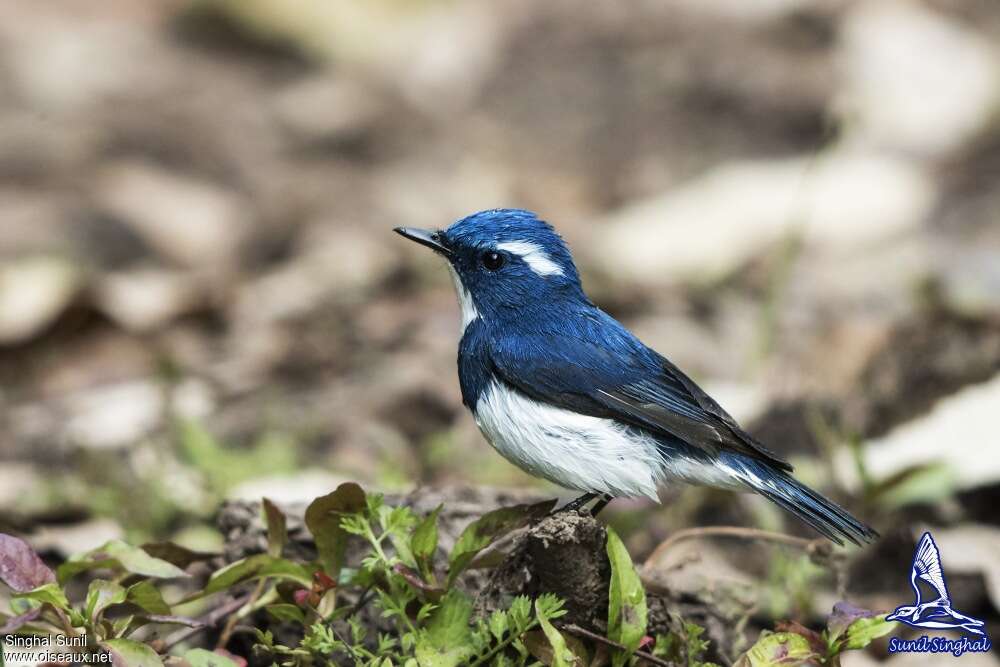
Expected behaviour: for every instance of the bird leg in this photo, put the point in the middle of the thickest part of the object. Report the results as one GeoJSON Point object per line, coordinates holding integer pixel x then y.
{"type": "Point", "coordinates": [579, 503]}
{"type": "Point", "coordinates": [576, 505]}
{"type": "Point", "coordinates": [600, 504]}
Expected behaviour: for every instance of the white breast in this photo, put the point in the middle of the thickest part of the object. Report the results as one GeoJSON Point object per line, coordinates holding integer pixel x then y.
{"type": "Point", "coordinates": [465, 302]}
{"type": "Point", "coordinates": [573, 450]}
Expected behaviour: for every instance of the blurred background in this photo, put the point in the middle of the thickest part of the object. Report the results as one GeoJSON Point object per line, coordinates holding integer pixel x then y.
{"type": "Point", "coordinates": [201, 298]}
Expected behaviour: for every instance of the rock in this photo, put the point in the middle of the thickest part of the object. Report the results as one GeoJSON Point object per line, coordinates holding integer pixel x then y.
{"type": "Point", "coordinates": [538, 564]}
{"type": "Point", "coordinates": [970, 281]}
{"type": "Point", "coordinates": [16, 481]}
{"type": "Point", "coordinates": [34, 291]}
{"type": "Point", "coordinates": [70, 540]}
{"type": "Point", "coordinates": [846, 201]}
{"type": "Point", "coordinates": [953, 434]}
{"type": "Point", "coordinates": [300, 488]}
{"type": "Point", "coordinates": [115, 415]}
{"type": "Point", "coordinates": [973, 549]}
{"type": "Point", "coordinates": [336, 263]}
{"type": "Point", "coordinates": [191, 222]}
{"type": "Point", "coordinates": [324, 108]}
{"type": "Point", "coordinates": [914, 79]}
{"type": "Point", "coordinates": [146, 299]}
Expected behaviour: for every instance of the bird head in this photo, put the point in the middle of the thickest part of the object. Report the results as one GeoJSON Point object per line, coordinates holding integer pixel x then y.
{"type": "Point", "coordinates": [506, 264]}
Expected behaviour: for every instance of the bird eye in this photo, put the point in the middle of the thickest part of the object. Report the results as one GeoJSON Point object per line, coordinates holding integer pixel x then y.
{"type": "Point", "coordinates": [493, 260]}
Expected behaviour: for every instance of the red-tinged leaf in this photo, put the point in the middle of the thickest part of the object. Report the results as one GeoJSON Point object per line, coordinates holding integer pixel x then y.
{"type": "Point", "coordinates": [779, 649]}
{"type": "Point", "coordinates": [323, 520]}
{"type": "Point", "coordinates": [277, 528]}
{"type": "Point", "coordinates": [815, 640]}
{"type": "Point", "coordinates": [20, 566]}
{"type": "Point", "coordinates": [413, 578]}
{"type": "Point", "coordinates": [17, 622]}
{"type": "Point", "coordinates": [844, 613]}
{"type": "Point", "coordinates": [322, 582]}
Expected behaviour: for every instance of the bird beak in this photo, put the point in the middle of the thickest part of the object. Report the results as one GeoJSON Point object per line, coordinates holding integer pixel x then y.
{"type": "Point", "coordinates": [424, 237]}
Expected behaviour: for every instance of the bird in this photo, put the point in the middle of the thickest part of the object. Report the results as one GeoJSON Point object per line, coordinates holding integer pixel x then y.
{"type": "Point", "coordinates": [937, 613]}
{"type": "Point", "coordinates": [565, 392]}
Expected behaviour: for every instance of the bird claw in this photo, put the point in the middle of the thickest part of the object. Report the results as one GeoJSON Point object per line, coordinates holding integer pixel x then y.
{"type": "Point", "coordinates": [578, 504]}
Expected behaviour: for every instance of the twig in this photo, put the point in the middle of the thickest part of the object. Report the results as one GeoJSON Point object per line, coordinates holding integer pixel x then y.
{"type": "Point", "coordinates": [725, 531]}
{"type": "Point", "coordinates": [227, 630]}
{"type": "Point", "coordinates": [207, 621]}
{"type": "Point", "coordinates": [363, 599]}
{"type": "Point", "coordinates": [593, 636]}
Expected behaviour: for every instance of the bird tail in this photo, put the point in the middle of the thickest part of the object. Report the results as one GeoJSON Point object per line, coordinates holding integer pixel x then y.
{"type": "Point", "coordinates": [827, 517]}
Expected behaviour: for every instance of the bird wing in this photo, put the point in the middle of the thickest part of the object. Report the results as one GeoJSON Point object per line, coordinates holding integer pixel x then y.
{"type": "Point", "coordinates": [927, 565]}
{"type": "Point", "coordinates": [604, 371]}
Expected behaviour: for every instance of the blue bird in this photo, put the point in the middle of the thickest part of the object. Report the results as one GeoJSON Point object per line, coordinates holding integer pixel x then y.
{"type": "Point", "coordinates": [565, 392]}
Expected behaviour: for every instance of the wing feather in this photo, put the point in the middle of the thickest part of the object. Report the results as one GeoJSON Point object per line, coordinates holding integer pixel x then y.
{"type": "Point", "coordinates": [927, 564]}
{"type": "Point", "coordinates": [618, 377]}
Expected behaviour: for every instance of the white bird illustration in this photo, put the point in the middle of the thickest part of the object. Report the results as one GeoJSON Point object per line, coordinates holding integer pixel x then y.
{"type": "Point", "coordinates": [936, 614]}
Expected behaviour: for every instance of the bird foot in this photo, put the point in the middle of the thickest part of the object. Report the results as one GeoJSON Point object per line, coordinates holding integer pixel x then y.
{"type": "Point", "coordinates": [579, 503]}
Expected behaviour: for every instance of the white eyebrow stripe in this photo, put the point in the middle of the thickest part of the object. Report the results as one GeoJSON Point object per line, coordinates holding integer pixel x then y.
{"type": "Point", "coordinates": [534, 256]}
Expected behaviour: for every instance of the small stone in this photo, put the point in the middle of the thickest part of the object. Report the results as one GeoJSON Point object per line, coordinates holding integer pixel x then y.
{"type": "Point", "coordinates": [714, 224]}
{"type": "Point", "coordinates": [950, 434]}
{"type": "Point", "coordinates": [114, 416]}
{"type": "Point", "coordinates": [322, 108]}
{"type": "Point", "coordinates": [190, 221]}
{"type": "Point", "coordinates": [914, 79]}
{"type": "Point", "coordinates": [34, 291]}
{"type": "Point", "coordinates": [77, 538]}
{"type": "Point", "coordinates": [145, 299]}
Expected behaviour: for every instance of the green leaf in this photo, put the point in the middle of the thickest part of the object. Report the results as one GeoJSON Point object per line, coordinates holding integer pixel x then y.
{"type": "Point", "coordinates": [784, 649]}
{"type": "Point", "coordinates": [863, 631]}
{"type": "Point", "coordinates": [323, 520]}
{"type": "Point", "coordinates": [119, 555]}
{"type": "Point", "coordinates": [287, 612]}
{"type": "Point", "coordinates": [446, 640]}
{"type": "Point", "coordinates": [561, 655]}
{"type": "Point", "coordinates": [71, 568]}
{"type": "Point", "coordinates": [47, 594]}
{"type": "Point", "coordinates": [256, 567]}
{"type": "Point", "coordinates": [498, 624]}
{"type": "Point", "coordinates": [626, 601]}
{"type": "Point", "coordinates": [199, 657]}
{"type": "Point", "coordinates": [147, 596]}
{"type": "Point", "coordinates": [277, 528]}
{"type": "Point", "coordinates": [226, 467]}
{"type": "Point", "coordinates": [137, 561]}
{"type": "Point", "coordinates": [101, 595]}
{"type": "Point", "coordinates": [483, 532]}
{"type": "Point", "coordinates": [424, 542]}
{"type": "Point", "coordinates": [844, 613]}
{"type": "Point", "coordinates": [128, 653]}
{"type": "Point", "coordinates": [176, 554]}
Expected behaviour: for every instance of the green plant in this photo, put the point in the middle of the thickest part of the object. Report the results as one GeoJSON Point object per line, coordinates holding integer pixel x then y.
{"type": "Point", "coordinates": [397, 602]}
